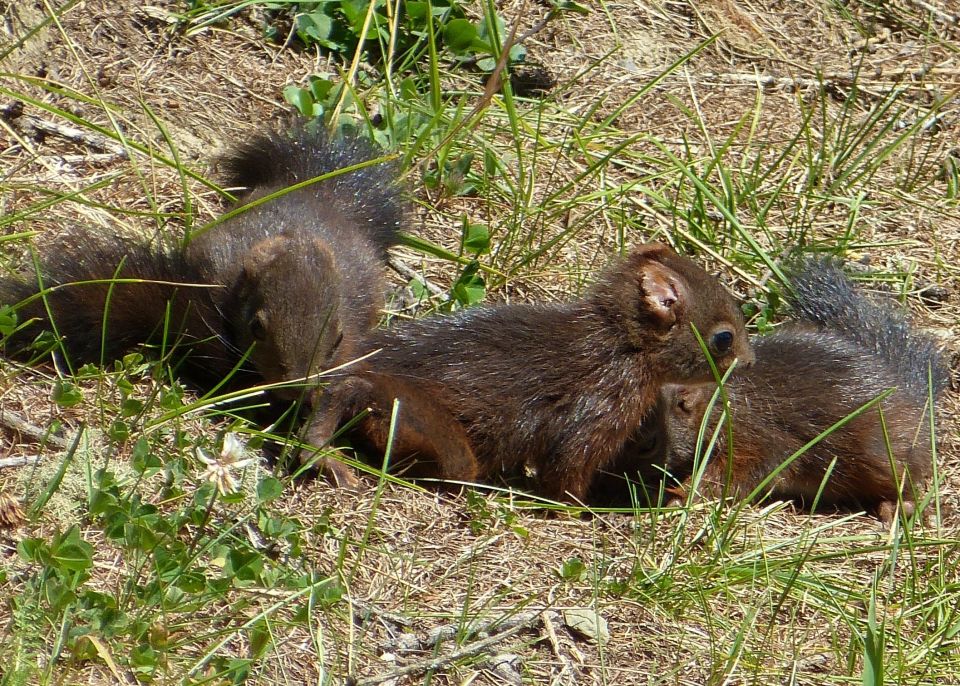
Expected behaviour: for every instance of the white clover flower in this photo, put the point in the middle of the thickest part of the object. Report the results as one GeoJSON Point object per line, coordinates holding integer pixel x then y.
{"type": "Point", "coordinates": [219, 470]}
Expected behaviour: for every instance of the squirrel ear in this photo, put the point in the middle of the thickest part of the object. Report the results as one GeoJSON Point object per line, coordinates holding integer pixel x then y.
{"type": "Point", "coordinates": [263, 253]}
{"type": "Point", "coordinates": [692, 400]}
{"type": "Point", "coordinates": [663, 292]}
{"type": "Point", "coordinates": [652, 251]}
{"type": "Point", "coordinates": [683, 399]}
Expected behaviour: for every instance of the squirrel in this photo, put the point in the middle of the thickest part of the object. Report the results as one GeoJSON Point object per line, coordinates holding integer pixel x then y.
{"type": "Point", "coordinates": [299, 274]}
{"type": "Point", "coordinates": [307, 267]}
{"type": "Point", "coordinates": [559, 387]}
{"type": "Point", "coordinates": [842, 351]}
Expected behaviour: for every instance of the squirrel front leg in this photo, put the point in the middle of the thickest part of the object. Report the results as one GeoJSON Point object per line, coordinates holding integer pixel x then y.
{"type": "Point", "coordinates": [711, 484]}
{"type": "Point", "coordinates": [426, 440]}
{"type": "Point", "coordinates": [329, 410]}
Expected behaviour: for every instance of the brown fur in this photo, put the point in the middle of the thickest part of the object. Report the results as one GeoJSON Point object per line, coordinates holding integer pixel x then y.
{"type": "Point", "coordinates": [305, 270]}
{"type": "Point", "coordinates": [427, 441]}
{"type": "Point", "coordinates": [808, 376]}
{"type": "Point", "coordinates": [291, 284]}
{"type": "Point", "coordinates": [802, 383]}
{"type": "Point", "coordinates": [104, 295]}
{"type": "Point", "coordinates": [560, 388]}
{"type": "Point", "coordinates": [293, 308]}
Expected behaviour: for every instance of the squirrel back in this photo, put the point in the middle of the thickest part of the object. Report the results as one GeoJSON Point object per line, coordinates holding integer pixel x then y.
{"type": "Point", "coordinates": [843, 352]}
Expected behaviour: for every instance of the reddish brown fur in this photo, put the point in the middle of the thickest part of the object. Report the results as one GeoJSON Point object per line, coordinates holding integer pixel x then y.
{"type": "Point", "coordinates": [165, 295]}
{"type": "Point", "coordinates": [561, 387]}
{"type": "Point", "coordinates": [287, 288]}
{"type": "Point", "coordinates": [844, 351]}
{"type": "Point", "coordinates": [803, 382]}
{"type": "Point", "coordinates": [427, 440]}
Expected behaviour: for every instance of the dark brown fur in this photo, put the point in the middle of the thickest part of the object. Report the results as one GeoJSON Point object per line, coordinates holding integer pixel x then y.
{"type": "Point", "coordinates": [292, 283]}
{"type": "Point", "coordinates": [560, 388]}
{"type": "Point", "coordinates": [426, 441]}
{"type": "Point", "coordinates": [846, 351]}
{"type": "Point", "coordinates": [306, 268]}
{"type": "Point", "coordinates": [108, 294]}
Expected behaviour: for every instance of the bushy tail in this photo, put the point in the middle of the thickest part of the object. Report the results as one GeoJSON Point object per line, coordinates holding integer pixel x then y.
{"type": "Point", "coordinates": [371, 196]}
{"type": "Point", "coordinates": [97, 314]}
{"type": "Point", "coordinates": [825, 296]}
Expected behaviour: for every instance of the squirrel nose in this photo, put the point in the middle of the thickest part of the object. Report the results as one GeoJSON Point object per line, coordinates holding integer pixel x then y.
{"type": "Point", "coordinates": [746, 358]}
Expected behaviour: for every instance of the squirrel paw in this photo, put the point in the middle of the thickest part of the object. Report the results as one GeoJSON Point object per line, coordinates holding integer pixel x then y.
{"type": "Point", "coordinates": [333, 470]}
{"type": "Point", "coordinates": [675, 496]}
{"type": "Point", "coordinates": [339, 474]}
{"type": "Point", "coordinates": [887, 510]}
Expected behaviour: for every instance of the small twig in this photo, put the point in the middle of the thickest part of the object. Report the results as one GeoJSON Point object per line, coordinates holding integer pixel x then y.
{"type": "Point", "coordinates": [12, 113]}
{"type": "Point", "coordinates": [94, 158]}
{"type": "Point", "coordinates": [479, 627]}
{"type": "Point", "coordinates": [13, 421]}
{"type": "Point", "coordinates": [537, 28]}
{"type": "Point", "coordinates": [17, 461]}
{"type": "Point", "coordinates": [438, 662]}
{"type": "Point", "coordinates": [551, 633]}
{"type": "Point", "coordinates": [936, 12]}
{"type": "Point", "coordinates": [92, 140]}
{"type": "Point", "coordinates": [405, 271]}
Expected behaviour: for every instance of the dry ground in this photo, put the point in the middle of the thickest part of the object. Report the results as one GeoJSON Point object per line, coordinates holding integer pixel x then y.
{"type": "Point", "coordinates": [416, 561]}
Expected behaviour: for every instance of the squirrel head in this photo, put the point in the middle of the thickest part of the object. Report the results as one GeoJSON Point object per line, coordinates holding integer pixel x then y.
{"type": "Point", "coordinates": [658, 298]}
{"type": "Point", "coordinates": [681, 409]}
{"type": "Point", "coordinates": [667, 436]}
{"type": "Point", "coordinates": [288, 307]}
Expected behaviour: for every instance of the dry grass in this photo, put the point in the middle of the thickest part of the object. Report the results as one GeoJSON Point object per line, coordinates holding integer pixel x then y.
{"type": "Point", "coordinates": [774, 116]}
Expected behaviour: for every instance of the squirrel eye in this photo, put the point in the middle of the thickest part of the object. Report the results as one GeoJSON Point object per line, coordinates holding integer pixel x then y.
{"type": "Point", "coordinates": [258, 326]}
{"type": "Point", "coordinates": [722, 341]}
{"type": "Point", "coordinates": [336, 343]}
{"type": "Point", "coordinates": [646, 444]}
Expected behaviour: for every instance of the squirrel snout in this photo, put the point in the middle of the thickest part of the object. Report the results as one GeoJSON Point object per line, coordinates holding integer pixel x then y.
{"type": "Point", "coordinates": [746, 358]}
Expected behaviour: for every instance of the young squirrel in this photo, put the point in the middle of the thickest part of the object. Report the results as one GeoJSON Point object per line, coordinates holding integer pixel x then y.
{"type": "Point", "coordinates": [558, 387]}
{"type": "Point", "coordinates": [300, 273]}
{"type": "Point", "coordinates": [304, 271]}
{"type": "Point", "coordinates": [843, 351]}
